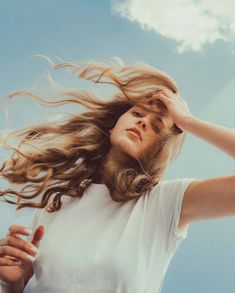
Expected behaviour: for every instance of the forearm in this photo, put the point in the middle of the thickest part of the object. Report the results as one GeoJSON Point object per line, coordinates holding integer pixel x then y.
{"type": "Point", "coordinates": [220, 136]}
{"type": "Point", "coordinates": [10, 288]}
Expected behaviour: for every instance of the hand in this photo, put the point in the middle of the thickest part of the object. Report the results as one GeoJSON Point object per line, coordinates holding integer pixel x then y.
{"type": "Point", "coordinates": [14, 252]}
{"type": "Point", "coordinates": [175, 104]}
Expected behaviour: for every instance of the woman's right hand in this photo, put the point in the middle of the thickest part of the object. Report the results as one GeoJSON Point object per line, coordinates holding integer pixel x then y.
{"type": "Point", "coordinates": [16, 254]}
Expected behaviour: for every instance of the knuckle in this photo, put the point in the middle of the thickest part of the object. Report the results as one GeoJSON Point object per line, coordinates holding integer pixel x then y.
{"type": "Point", "coordinates": [25, 245]}
{"type": "Point", "coordinates": [21, 244]}
{"type": "Point", "coordinates": [9, 230]}
{"type": "Point", "coordinates": [7, 261]}
{"type": "Point", "coordinates": [23, 255]}
{"type": "Point", "coordinates": [22, 229]}
{"type": "Point", "coordinates": [3, 261]}
{"type": "Point", "coordinates": [12, 226]}
{"type": "Point", "coordinates": [28, 247]}
{"type": "Point", "coordinates": [18, 254]}
{"type": "Point", "coordinates": [4, 250]}
{"type": "Point", "coordinates": [9, 240]}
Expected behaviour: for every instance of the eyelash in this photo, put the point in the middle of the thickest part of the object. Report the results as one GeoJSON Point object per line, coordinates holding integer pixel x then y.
{"type": "Point", "coordinates": [140, 115]}
{"type": "Point", "coordinates": [135, 112]}
{"type": "Point", "coordinates": [155, 127]}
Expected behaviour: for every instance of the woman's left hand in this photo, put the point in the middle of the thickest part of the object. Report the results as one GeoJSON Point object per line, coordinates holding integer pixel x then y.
{"type": "Point", "coordinates": [175, 104]}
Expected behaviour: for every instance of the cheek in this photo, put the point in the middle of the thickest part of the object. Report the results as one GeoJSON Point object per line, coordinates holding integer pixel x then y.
{"type": "Point", "coordinates": [116, 136]}
{"type": "Point", "coordinates": [151, 142]}
{"type": "Point", "coordinates": [114, 132]}
{"type": "Point", "coordinates": [122, 142]}
{"type": "Point", "coordinates": [119, 129]}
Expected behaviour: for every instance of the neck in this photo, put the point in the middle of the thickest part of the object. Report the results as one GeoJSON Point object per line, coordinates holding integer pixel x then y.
{"type": "Point", "coordinates": [114, 161]}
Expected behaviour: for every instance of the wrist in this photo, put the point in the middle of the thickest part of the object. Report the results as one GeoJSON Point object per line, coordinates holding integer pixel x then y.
{"type": "Point", "coordinates": [12, 287]}
{"type": "Point", "coordinates": [188, 122]}
{"type": "Point", "coordinates": [18, 287]}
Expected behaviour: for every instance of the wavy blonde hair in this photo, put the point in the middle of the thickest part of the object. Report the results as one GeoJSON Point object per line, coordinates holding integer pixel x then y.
{"type": "Point", "coordinates": [65, 158]}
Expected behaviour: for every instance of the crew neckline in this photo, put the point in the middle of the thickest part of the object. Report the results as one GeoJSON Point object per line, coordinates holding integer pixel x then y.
{"type": "Point", "coordinates": [99, 185]}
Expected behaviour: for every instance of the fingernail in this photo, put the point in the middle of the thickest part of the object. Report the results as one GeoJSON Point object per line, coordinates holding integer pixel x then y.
{"type": "Point", "coordinates": [34, 249]}
{"type": "Point", "coordinates": [30, 257]}
{"type": "Point", "coordinates": [28, 231]}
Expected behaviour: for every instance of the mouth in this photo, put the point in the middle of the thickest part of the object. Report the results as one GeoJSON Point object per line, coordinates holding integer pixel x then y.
{"type": "Point", "coordinates": [136, 132]}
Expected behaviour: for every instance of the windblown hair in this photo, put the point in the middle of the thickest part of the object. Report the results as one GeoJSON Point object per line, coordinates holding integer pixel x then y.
{"type": "Point", "coordinates": [65, 158]}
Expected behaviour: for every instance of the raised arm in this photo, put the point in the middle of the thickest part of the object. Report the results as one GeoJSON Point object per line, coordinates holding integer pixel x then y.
{"type": "Point", "coordinates": [220, 136]}
{"type": "Point", "coordinates": [204, 198]}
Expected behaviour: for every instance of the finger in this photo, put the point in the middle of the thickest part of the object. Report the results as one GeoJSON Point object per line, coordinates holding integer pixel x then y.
{"type": "Point", "coordinates": [165, 91]}
{"type": "Point", "coordinates": [22, 244]}
{"type": "Point", "coordinates": [38, 235]}
{"type": "Point", "coordinates": [157, 105]}
{"type": "Point", "coordinates": [173, 95]}
{"type": "Point", "coordinates": [167, 94]}
{"type": "Point", "coordinates": [18, 229]}
{"type": "Point", "coordinates": [9, 262]}
{"type": "Point", "coordinates": [16, 253]}
{"type": "Point", "coordinates": [3, 241]}
{"type": "Point", "coordinates": [170, 95]}
{"type": "Point", "coordinates": [162, 97]}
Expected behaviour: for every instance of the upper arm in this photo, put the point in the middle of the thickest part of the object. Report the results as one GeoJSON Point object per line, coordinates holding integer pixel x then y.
{"type": "Point", "coordinates": [207, 199]}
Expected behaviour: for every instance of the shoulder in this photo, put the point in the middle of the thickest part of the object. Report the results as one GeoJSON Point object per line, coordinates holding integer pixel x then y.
{"type": "Point", "coordinates": [170, 192]}
{"type": "Point", "coordinates": [172, 185]}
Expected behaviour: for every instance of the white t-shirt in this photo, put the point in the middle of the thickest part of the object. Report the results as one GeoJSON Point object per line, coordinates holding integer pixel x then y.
{"type": "Point", "coordinates": [96, 245]}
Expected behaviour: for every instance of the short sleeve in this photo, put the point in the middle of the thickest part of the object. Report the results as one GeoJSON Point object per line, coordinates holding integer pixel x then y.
{"type": "Point", "coordinates": [171, 196]}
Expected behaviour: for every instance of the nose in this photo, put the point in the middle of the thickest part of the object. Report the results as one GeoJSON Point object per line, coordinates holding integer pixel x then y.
{"type": "Point", "coordinates": [142, 122]}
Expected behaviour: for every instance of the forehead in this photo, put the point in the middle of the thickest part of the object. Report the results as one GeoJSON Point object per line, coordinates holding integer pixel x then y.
{"type": "Point", "coordinates": [156, 113]}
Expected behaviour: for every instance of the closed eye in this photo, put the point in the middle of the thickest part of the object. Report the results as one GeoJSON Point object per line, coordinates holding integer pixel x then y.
{"type": "Point", "coordinates": [155, 127]}
{"type": "Point", "coordinates": [137, 114]}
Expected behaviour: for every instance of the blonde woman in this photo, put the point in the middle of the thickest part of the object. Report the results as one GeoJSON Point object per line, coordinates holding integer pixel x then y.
{"type": "Point", "coordinates": [106, 219]}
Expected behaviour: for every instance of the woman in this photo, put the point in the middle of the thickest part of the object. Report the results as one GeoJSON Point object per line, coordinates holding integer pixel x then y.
{"type": "Point", "coordinates": [112, 223]}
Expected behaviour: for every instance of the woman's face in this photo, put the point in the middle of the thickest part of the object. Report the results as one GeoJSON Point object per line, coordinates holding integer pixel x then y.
{"type": "Point", "coordinates": [137, 131]}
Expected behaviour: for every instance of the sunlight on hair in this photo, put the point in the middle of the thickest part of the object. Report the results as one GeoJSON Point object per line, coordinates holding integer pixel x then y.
{"type": "Point", "coordinates": [55, 158]}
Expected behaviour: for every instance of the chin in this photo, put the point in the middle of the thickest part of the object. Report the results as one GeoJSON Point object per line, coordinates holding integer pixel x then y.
{"type": "Point", "coordinates": [125, 145]}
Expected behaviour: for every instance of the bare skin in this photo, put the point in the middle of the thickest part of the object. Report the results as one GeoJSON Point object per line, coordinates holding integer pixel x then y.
{"type": "Point", "coordinates": [125, 142]}
{"type": "Point", "coordinates": [15, 267]}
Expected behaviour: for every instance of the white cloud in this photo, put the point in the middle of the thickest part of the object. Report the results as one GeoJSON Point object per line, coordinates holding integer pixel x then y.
{"type": "Point", "coordinates": [191, 23]}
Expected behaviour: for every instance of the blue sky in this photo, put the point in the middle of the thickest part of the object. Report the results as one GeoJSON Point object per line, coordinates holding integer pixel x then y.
{"type": "Point", "coordinates": [194, 42]}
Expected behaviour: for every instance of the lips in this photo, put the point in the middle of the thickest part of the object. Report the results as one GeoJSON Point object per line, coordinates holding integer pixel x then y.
{"type": "Point", "coordinates": [135, 130]}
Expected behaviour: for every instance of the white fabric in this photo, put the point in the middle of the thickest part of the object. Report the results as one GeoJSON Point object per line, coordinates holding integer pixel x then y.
{"type": "Point", "coordinates": [97, 245]}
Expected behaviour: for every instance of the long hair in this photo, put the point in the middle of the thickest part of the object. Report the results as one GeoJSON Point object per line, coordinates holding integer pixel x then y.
{"type": "Point", "coordinates": [63, 158]}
